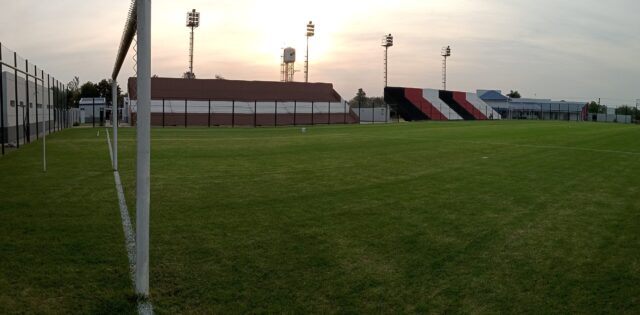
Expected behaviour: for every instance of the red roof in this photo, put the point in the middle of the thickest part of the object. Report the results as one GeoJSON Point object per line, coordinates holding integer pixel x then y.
{"type": "Point", "coordinates": [236, 90]}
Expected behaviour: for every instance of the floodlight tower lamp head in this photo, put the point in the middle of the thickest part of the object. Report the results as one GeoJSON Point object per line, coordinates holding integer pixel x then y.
{"type": "Point", "coordinates": [446, 51]}
{"type": "Point", "coordinates": [311, 29]}
{"type": "Point", "coordinates": [387, 41]}
{"type": "Point", "coordinates": [193, 18]}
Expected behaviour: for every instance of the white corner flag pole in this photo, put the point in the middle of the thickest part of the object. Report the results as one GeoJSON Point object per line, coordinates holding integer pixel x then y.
{"type": "Point", "coordinates": [143, 158]}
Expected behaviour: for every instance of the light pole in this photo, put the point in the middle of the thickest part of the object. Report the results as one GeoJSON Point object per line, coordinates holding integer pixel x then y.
{"type": "Point", "coordinates": [387, 41]}
{"type": "Point", "coordinates": [446, 52]}
{"type": "Point", "coordinates": [311, 31]}
{"type": "Point", "coordinates": [193, 21]}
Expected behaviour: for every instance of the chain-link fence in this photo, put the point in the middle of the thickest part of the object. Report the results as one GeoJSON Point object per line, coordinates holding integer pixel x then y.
{"type": "Point", "coordinates": [32, 102]}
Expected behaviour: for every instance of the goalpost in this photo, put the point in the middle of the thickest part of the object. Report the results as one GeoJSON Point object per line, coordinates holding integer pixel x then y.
{"type": "Point", "coordinates": [138, 21]}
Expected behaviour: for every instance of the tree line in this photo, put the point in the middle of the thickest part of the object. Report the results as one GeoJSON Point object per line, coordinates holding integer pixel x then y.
{"type": "Point", "coordinates": [362, 100]}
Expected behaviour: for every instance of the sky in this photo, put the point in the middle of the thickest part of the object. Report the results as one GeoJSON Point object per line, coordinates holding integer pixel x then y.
{"type": "Point", "coordinates": [563, 49]}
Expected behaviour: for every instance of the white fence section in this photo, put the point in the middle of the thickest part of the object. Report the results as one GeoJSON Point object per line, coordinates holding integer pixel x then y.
{"type": "Point", "coordinates": [373, 114]}
{"type": "Point", "coordinates": [238, 107]}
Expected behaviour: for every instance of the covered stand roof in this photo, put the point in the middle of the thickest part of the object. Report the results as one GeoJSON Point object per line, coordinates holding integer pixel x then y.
{"type": "Point", "coordinates": [236, 90]}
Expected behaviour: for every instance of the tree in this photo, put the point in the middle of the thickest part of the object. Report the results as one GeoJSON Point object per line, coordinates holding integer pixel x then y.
{"type": "Point", "coordinates": [376, 101]}
{"type": "Point", "coordinates": [104, 89]}
{"type": "Point", "coordinates": [594, 108]}
{"type": "Point", "coordinates": [73, 97]}
{"type": "Point", "coordinates": [625, 110]}
{"type": "Point", "coordinates": [89, 89]}
{"type": "Point", "coordinates": [514, 94]}
{"type": "Point", "coordinates": [360, 100]}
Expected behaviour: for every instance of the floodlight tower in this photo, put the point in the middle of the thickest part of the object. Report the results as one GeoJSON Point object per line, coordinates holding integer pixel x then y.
{"type": "Point", "coordinates": [387, 41]}
{"type": "Point", "coordinates": [193, 21]}
{"type": "Point", "coordinates": [446, 52]}
{"type": "Point", "coordinates": [311, 31]}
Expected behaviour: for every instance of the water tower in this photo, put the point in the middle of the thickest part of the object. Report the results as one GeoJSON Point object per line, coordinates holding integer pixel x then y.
{"type": "Point", "coordinates": [287, 68]}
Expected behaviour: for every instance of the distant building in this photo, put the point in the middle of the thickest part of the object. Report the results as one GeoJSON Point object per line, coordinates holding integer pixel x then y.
{"type": "Point", "coordinates": [203, 102]}
{"type": "Point", "coordinates": [92, 108]}
{"type": "Point", "coordinates": [530, 108]}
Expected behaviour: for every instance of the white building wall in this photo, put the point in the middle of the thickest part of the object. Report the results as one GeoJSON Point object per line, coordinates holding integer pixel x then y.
{"type": "Point", "coordinates": [37, 111]}
{"type": "Point", "coordinates": [228, 107]}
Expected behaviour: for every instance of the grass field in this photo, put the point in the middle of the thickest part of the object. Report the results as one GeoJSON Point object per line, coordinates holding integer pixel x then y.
{"type": "Point", "coordinates": [466, 217]}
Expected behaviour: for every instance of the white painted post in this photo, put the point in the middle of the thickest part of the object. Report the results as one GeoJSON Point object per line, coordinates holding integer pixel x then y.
{"type": "Point", "coordinates": [114, 121]}
{"type": "Point", "coordinates": [143, 147]}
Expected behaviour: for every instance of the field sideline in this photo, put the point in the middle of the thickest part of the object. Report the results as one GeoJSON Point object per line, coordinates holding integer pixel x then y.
{"type": "Point", "coordinates": [460, 217]}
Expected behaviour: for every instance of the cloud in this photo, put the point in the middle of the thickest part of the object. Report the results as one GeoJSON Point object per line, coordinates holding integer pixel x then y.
{"type": "Point", "coordinates": [579, 49]}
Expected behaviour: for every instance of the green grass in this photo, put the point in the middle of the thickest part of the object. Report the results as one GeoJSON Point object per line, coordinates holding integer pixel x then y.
{"type": "Point", "coordinates": [467, 217]}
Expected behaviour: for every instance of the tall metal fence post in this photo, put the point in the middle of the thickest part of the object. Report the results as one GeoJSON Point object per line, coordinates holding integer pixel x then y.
{"type": "Point", "coordinates": [344, 114]}
{"type": "Point", "coordinates": [295, 110]}
{"type": "Point", "coordinates": [49, 103]}
{"type": "Point", "coordinates": [233, 114]}
{"type": "Point", "coordinates": [312, 112]}
{"type": "Point", "coordinates": [15, 64]}
{"type": "Point", "coordinates": [209, 115]}
{"type": "Point", "coordinates": [57, 115]}
{"type": "Point", "coordinates": [35, 81]}
{"type": "Point", "coordinates": [66, 106]}
{"type": "Point", "coordinates": [255, 114]}
{"type": "Point", "coordinates": [163, 113]}
{"type": "Point", "coordinates": [185, 113]}
{"type": "Point", "coordinates": [65, 101]}
{"type": "Point", "coordinates": [359, 112]}
{"type": "Point", "coordinates": [58, 107]}
{"type": "Point", "coordinates": [2, 137]}
{"type": "Point", "coordinates": [275, 117]}
{"type": "Point", "coordinates": [114, 121]}
{"type": "Point", "coordinates": [59, 93]}
{"type": "Point", "coordinates": [27, 122]}
{"type": "Point", "coordinates": [373, 114]}
{"type": "Point", "coordinates": [44, 131]}
{"type": "Point", "coordinates": [93, 109]}
{"type": "Point", "coordinates": [329, 110]}
{"type": "Point", "coordinates": [386, 113]}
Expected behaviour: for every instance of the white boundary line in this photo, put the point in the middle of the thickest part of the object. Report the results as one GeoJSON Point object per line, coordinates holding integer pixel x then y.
{"type": "Point", "coordinates": [144, 307]}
